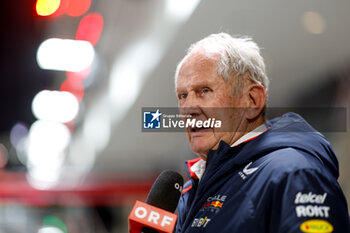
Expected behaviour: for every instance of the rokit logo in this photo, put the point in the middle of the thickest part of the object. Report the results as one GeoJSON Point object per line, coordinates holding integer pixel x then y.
{"type": "Point", "coordinates": [315, 210]}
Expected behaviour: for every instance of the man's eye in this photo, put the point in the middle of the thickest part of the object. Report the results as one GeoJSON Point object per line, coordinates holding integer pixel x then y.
{"type": "Point", "coordinates": [206, 90]}
{"type": "Point", "coordinates": [183, 96]}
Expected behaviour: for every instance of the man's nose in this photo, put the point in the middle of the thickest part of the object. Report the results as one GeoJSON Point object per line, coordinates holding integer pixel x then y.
{"type": "Point", "coordinates": [192, 105]}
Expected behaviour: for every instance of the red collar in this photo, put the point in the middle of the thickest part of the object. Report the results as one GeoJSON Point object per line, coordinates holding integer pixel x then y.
{"type": "Point", "coordinates": [190, 163]}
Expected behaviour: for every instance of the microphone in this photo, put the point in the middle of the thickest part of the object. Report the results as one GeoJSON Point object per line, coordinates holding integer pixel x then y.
{"type": "Point", "coordinates": [156, 215]}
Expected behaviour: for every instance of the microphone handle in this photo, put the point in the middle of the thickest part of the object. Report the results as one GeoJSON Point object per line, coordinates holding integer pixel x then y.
{"type": "Point", "coordinates": [148, 230]}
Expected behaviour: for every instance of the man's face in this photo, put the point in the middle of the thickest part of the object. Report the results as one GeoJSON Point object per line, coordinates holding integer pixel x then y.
{"type": "Point", "coordinates": [199, 90]}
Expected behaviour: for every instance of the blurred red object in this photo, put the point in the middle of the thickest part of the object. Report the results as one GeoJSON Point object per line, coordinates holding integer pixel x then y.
{"type": "Point", "coordinates": [98, 190]}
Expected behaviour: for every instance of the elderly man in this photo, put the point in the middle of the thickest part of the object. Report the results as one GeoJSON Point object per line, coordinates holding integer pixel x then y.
{"type": "Point", "coordinates": [250, 176]}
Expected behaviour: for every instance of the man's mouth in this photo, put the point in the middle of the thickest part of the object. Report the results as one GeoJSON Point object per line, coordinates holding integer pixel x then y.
{"type": "Point", "coordinates": [198, 130]}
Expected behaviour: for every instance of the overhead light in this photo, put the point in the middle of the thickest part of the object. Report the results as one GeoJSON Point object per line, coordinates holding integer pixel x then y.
{"type": "Point", "coordinates": [46, 148]}
{"type": "Point", "coordinates": [65, 55]}
{"type": "Point", "coordinates": [47, 143]}
{"type": "Point", "coordinates": [42, 178]}
{"type": "Point", "coordinates": [77, 7]}
{"type": "Point", "coordinates": [47, 7]}
{"type": "Point", "coordinates": [17, 133]}
{"type": "Point", "coordinates": [50, 230]}
{"type": "Point", "coordinates": [59, 106]}
{"type": "Point", "coordinates": [90, 28]}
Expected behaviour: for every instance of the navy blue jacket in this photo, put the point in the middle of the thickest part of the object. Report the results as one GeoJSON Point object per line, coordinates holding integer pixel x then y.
{"type": "Point", "coordinates": [283, 181]}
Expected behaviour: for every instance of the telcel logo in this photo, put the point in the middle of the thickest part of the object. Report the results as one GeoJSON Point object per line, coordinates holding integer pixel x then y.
{"type": "Point", "coordinates": [316, 226]}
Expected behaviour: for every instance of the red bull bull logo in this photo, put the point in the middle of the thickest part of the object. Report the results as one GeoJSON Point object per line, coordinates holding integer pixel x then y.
{"type": "Point", "coordinates": [213, 204]}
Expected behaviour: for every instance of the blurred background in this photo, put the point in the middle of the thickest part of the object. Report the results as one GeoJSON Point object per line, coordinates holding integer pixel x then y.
{"type": "Point", "coordinates": [76, 73]}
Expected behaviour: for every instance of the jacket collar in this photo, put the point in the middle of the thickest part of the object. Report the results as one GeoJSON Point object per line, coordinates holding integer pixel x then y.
{"type": "Point", "coordinates": [196, 167]}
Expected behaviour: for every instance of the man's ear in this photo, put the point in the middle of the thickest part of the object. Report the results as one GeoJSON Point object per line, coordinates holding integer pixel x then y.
{"type": "Point", "coordinates": [257, 99]}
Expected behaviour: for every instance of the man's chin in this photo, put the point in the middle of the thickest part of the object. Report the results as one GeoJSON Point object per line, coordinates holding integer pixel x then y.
{"type": "Point", "coordinates": [200, 148]}
{"type": "Point", "coordinates": [202, 155]}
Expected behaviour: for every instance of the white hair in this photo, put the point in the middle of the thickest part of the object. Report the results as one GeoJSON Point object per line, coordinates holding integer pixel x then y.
{"type": "Point", "coordinates": [237, 55]}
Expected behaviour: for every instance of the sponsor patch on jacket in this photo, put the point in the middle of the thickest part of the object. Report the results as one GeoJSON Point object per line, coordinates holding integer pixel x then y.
{"type": "Point", "coordinates": [311, 205]}
{"type": "Point", "coordinates": [214, 203]}
{"type": "Point", "coordinates": [310, 198]}
{"type": "Point", "coordinates": [316, 226]}
{"type": "Point", "coordinates": [200, 222]}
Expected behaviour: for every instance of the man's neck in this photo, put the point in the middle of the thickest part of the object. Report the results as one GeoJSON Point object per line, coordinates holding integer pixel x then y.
{"type": "Point", "coordinates": [251, 135]}
{"type": "Point", "coordinates": [245, 129]}
{"type": "Point", "coordinates": [199, 167]}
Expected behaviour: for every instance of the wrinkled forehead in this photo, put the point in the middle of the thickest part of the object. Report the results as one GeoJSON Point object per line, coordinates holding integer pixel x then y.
{"type": "Point", "coordinates": [197, 63]}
